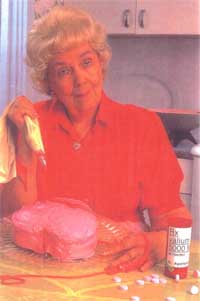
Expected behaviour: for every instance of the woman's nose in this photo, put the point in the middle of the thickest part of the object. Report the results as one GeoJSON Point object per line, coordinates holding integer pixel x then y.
{"type": "Point", "coordinates": [79, 76]}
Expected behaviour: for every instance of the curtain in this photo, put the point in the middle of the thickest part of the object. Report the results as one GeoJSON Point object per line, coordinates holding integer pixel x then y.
{"type": "Point", "coordinates": [13, 32]}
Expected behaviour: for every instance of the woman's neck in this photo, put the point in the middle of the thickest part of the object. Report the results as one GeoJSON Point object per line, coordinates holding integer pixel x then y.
{"type": "Point", "coordinates": [83, 121]}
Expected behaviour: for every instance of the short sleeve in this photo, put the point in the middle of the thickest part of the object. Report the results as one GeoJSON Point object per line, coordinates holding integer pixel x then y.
{"type": "Point", "coordinates": [160, 172]}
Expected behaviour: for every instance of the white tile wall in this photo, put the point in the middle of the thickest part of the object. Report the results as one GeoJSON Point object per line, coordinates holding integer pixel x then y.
{"type": "Point", "coordinates": [155, 71]}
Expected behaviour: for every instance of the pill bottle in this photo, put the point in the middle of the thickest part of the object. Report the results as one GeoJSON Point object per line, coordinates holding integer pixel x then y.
{"type": "Point", "coordinates": [178, 247]}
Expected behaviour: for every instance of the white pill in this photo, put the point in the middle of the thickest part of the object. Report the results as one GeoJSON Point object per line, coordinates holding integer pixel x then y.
{"type": "Point", "coordinates": [177, 277]}
{"type": "Point", "coordinates": [147, 278]}
{"type": "Point", "coordinates": [135, 298]}
{"type": "Point", "coordinates": [196, 274]}
{"type": "Point", "coordinates": [163, 280]}
{"type": "Point", "coordinates": [117, 279]}
{"type": "Point", "coordinates": [140, 282]}
{"type": "Point", "coordinates": [193, 289]}
{"type": "Point", "coordinates": [123, 287]}
{"type": "Point", "coordinates": [155, 280]}
{"type": "Point", "coordinates": [170, 299]}
{"type": "Point", "coordinates": [155, 276]}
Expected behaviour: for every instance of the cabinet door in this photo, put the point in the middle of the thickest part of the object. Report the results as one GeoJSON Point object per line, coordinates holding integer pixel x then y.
{"type": "Point", "coordinates": [118, 16]}
{"type": "Point", "coordinates": [168, 17]}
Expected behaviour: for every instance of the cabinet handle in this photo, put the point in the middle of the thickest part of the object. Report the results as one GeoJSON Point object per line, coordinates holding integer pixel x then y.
{"type": "Point", "coordinates": [127, 18]}
{"type": "Point", "coordinates": [141, 18]}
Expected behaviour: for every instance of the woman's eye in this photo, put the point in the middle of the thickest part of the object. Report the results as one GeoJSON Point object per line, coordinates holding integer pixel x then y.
{"type": "Point", "coordinates": [87, 62]}
{"type": "Point", "coordinates": [64, 71]}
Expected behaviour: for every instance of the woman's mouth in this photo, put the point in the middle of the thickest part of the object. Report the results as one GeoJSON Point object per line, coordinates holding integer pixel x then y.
{"type": "Point", "coordinates": [81, 93]}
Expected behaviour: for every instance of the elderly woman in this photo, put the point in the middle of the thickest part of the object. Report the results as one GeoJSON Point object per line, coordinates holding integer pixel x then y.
{"type": "Point", "coordinates": [115, 157]}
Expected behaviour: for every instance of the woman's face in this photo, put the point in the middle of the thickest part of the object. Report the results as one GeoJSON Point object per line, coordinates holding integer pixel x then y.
{"type": "Point", "coordinates": [75, 77]}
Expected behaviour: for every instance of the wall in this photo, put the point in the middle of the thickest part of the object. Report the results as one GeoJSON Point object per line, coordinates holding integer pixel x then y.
{"type": "Point", "coordinates": [155, 71]}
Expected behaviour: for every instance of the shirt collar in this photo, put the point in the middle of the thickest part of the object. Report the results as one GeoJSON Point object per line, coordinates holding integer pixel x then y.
{"type": "Point", "coordinates": [104, 114]}
{"type": "Point", "coordinates": [59, 115]}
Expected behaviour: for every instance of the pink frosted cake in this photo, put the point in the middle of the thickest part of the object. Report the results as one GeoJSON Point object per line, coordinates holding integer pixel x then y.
{"type": "Point", "coordinates": [66, 229]}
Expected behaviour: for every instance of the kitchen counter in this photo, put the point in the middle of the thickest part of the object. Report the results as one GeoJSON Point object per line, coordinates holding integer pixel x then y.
{"type": "Point", "coordinates": [50, 280]}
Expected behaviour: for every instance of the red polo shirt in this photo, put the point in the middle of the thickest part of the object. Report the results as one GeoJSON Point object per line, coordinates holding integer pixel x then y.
{"type": "Point", "coordinates": [124, 164]}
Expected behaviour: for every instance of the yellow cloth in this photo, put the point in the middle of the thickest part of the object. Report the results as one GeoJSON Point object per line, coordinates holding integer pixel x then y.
{"type": "Point", "coordinates": [7, 150]}
{"type": "Point", "coordinates": [7, 147]}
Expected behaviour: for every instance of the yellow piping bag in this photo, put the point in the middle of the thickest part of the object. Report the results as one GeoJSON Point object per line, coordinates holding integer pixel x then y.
{"type": "Point", "coordinates": [33, 137]}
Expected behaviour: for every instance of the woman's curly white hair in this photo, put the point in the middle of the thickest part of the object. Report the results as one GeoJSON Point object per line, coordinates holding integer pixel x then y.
{"type": "Point", "coordinates": [59, 30]}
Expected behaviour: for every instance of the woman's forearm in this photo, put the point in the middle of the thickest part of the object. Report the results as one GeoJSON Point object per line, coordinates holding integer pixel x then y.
{"type": "Point", "coordinates": [22, 189]}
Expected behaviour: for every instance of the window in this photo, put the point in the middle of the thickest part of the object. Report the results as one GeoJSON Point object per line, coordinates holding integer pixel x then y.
{"type": "Point", "coordinates": [13, 32]}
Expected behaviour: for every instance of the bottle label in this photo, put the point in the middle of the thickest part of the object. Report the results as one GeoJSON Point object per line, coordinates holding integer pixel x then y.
{"type": "Point", "coordinates": [178, 249]}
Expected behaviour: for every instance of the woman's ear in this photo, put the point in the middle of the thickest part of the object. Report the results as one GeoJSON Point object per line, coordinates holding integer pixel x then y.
{"type": "Point", "coordinates": [102, 68]}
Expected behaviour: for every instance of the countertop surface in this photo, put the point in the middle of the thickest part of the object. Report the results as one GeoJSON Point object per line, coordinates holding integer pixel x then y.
{"type": "Point", "coordinates": [38, 278]}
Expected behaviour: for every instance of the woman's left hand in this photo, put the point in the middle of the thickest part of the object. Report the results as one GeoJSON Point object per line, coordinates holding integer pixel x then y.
{"type": "Point", "coordinates": [136, 251]}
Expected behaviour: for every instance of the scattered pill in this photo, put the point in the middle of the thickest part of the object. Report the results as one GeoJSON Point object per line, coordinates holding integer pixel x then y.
{"type": "Point", "coordinates": [147, 278]}
{"type": "Point", "coordinates": [140, 282]}
{"type": "Point", "coordinates": [135, 298]}
{"type": "Point", "coordinates": [196, 274]}
{"type": "Point", "coordinates": [117, 279]}
{"type": "Point", "coordinates": [163, 280]}
{"type": "Point", "coordinates": [155, 276]}
{"type": "Point", "coordinates": [193, 289]}
{"type": "Point", "coordinates": [170, 299]}
{"type": "Point", "coordinates": [177, 277]}
{"type": "Point", "coordinates": [155, 280]}
{"type": "Point", "coordinates": [123, 287]}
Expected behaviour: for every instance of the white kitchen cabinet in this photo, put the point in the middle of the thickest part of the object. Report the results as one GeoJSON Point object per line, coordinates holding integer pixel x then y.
{"type": "Point", "coordinates": [190, 190]}
{"type": "Point", "coordinates": [186, 198]}
{"type": "Point", "coordinates": [144, 17]}
{"type": "Point", "coordinates": [186, 185]}
{"type": "Point", "coordinates": [187, 168]}
{"type": "Point", "coordinates": [168, 17]}
{"type": "Point", "coordinates": [118, 16]}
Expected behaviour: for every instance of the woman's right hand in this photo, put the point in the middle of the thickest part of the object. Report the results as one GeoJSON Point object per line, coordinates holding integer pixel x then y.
{"type": "Point", "coordinates": [23, 188]}
{"type": "Point", "coordinates": [18, 109]}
